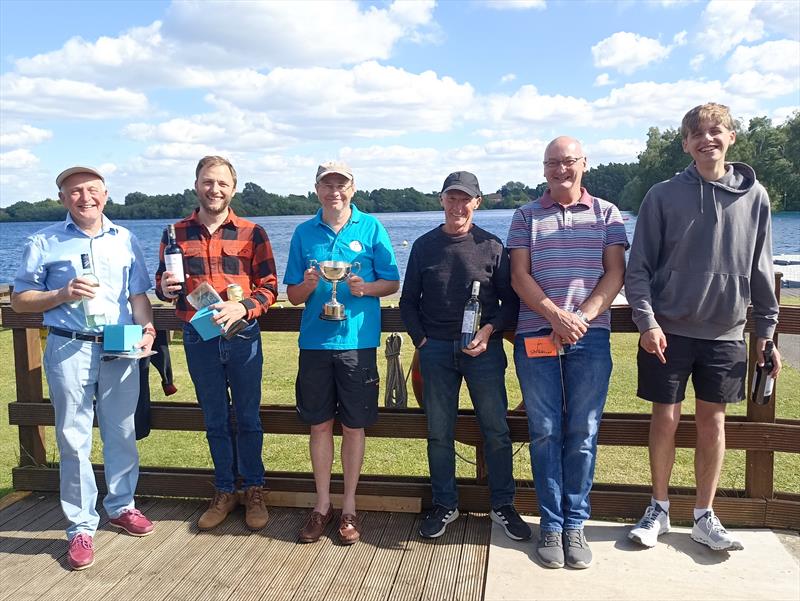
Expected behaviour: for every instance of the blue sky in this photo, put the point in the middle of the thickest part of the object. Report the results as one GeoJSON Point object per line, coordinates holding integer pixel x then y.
{"type": "Point", "coordinates": [404, 91]}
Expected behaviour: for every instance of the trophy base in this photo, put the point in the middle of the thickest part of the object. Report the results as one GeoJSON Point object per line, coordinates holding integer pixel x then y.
{"type": "Point", "coordinates": [332, 313]}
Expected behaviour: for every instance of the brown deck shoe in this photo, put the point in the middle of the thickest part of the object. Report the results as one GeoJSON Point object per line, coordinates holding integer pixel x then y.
{"type": "Point", "coordinates": [349, 529]}
{"type": "Point", "coordinates": [219, 508]}
{"type": "Point", "coordinates": [315, 525]}
{"type": "Point", "coordinates": [255, 513]}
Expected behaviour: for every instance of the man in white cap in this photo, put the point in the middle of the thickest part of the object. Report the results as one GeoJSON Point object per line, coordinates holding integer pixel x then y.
{"type": "Point", "coordinates": [89, 258]}
{"type": "Point", "coordinates": [338, 375]}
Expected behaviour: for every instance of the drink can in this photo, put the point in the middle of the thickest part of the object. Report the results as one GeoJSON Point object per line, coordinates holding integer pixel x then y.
{"type": "Point", "coordinates": [235, 292]}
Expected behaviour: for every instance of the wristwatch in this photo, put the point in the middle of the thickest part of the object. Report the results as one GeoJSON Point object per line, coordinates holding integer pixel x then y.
{"type": "Point", "coordinates": [582, 317]}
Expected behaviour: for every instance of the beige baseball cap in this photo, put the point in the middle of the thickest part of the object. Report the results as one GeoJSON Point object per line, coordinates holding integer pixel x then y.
{"type": "Point", "coordinates": [334, 167]}
{"type": "Point", "coordinates": [77, 169]}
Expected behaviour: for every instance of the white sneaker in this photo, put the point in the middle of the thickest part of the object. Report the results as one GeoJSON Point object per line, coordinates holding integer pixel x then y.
{"type": "Point", "coordinates": [708, 531]}
{"type": "Point", "coordinates": [653, 524]}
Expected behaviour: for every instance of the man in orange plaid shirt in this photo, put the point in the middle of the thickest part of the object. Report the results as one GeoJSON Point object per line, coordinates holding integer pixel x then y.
{"type": "Point", "coordinates": [221, 249]}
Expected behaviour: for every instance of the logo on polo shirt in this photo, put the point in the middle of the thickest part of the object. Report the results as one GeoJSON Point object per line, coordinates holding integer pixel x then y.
{"type": "Point", "coordinates": [356, 246]}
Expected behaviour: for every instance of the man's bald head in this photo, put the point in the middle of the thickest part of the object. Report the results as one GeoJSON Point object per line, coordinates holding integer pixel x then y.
{"type": "Point", "coordinates": [571, 146]}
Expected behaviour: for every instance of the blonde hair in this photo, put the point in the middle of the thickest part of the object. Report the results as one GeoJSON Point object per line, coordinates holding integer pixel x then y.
{"type": "Point", "coordinates": [213, 161]}
{"type": "Point", "coordinates": [711, 112]}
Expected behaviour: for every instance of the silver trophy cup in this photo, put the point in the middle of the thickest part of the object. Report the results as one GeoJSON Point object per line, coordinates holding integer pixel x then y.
{"type": "Point", "coordinates": [334, 272]}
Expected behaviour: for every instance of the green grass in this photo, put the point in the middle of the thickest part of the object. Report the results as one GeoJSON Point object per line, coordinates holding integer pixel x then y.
{"type": "Point", "coordinates": [628, 465]}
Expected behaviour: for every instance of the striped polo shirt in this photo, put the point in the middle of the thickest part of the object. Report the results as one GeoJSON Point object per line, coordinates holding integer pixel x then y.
{"type": "Point", "coordinates": [566, 247]}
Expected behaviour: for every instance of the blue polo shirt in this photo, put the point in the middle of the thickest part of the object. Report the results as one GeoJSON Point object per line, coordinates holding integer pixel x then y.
{"type": "Point", "coordinates": [362, 239]}
{"type": "Point", "coordinates": [52, 257]}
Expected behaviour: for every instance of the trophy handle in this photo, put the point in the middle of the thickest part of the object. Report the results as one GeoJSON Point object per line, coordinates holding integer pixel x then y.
{"type": "Point", "coordinates": [312, 264]}
{"type": "Point", "coordinates": [355, 267]}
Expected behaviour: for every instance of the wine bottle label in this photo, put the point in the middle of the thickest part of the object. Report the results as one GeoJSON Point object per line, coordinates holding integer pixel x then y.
{"type": "Point", "coordinates": [174, 264]}
{"type": "Point", "coordinates": [768, 387]}
{"type": "Point", "coordinates": [94, 306]}
{"type": "Point", "coordinates": [468, 324]}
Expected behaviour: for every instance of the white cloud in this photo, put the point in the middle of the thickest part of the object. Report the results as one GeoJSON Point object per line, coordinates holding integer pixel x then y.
{"type": "Point", "coordinates": [779, 56]}
{"type": "Point", "coordinates": [19, 159]}
{"type": "Point", "coordinates": [64, 98]}
{"type": "Point", "coordinates": [515, 4]}
{"type": "Point", "coordinates": [618, 150]}
{"type": "Point", "coordinates": [697, 62]}
{"type": "Point", "coordinates": [760, 85]}
{"type": "Point", "coordinates": [19, 134]}
{"type": "Point", "coordinates": [783, 113]}
{"type": "Point", "coordinates": [679, 39]}
{"type": "Point", "coordinates": [780, 16]}
{"type": "Point", "coordinates": [508, 77]}
{"type": "Point", "coordinates": [726, 24]}
{"type": "Point", "coordinates": [603, 80]}
{"type": "Point", "coordinates": [291, 34]}
{"type": "Point", "coordinates": [626, 52]}
{"type": "Point", "coordinates": [527, 106]}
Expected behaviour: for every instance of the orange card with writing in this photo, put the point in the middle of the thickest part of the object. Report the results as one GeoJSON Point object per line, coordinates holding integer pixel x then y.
{"type": "Point", "coordinates": [541, 346]}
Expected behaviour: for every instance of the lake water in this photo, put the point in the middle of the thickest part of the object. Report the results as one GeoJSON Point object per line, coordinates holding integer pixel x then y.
{"type": "Point", "coordinates": [403, 229]}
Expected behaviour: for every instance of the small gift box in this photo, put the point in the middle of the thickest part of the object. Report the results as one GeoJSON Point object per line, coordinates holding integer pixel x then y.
{"type": "Point", "coordinates": [204, 324]}
{"type": "Point", "coordinates": [121, 338]}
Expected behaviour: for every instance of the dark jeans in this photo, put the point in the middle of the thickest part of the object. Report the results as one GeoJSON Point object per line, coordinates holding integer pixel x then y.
{"type": "Point", "coordinates": [215, 365]}
{"type": "Point", "coordinates": [443, 367]}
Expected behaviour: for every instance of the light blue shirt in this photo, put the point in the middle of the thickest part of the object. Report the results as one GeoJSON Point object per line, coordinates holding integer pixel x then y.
{"type": "Point", "coordinates": [362, 239]}
{"type": "Point", "coordinates": [52, 257]}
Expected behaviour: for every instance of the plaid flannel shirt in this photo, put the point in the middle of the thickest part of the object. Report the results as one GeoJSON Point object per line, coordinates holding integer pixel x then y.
{"type": "Point", "coordinates": [238, 252]}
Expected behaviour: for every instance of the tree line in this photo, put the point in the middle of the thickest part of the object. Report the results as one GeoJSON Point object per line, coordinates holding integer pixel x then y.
{"type": "Point", "coordinates": [773, 151]}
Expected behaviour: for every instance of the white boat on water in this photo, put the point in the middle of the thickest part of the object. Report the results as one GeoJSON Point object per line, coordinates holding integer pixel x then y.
{"type": "Point", "coordinates": [789, 266]}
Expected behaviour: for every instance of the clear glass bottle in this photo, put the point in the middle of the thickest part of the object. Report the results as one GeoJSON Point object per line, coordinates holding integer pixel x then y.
{"type": "Point", "coordinates": [472, 316]}
{"type": "Point", "coordinates": [92, 307]}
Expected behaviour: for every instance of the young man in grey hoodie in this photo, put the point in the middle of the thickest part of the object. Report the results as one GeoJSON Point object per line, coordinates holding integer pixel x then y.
{"type": "Point", "coordinates": [702, 252]}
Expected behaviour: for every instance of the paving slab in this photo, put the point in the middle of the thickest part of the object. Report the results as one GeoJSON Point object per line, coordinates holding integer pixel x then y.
{"type": "Point", "coordinates": [677, 568]}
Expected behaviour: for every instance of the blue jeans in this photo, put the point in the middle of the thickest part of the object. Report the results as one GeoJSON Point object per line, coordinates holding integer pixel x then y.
{"type": "Point", "coordinates": [443, 366]}
{"type": "Point", "coordinates": [563, 427]}
{"type": "Point", "coordinates": [78, 378]}
{"type": "Point", "coordinates": [216, 365]}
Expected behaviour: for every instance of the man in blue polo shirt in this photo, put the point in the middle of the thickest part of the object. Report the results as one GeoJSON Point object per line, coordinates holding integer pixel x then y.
{"type": "Point", "coordinates": [338, 375]}
{"type": "Point", "coordinates": [52, 280]}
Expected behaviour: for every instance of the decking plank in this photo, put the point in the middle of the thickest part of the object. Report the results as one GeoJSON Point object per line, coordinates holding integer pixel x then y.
{"type": "Point", "coordinates": [347, 581]}
{"type": "Point", "coordinates": [415, 564]}
{"type": "Point", "coordinates": [33, 578]}
{"type": "Point", "coordinates": [377, 583]}
{"type": "Point", "coordinates": [442, 574]}
{"type": "Point", "coordinates": [31, 525]}
{"type": "Point", "coordinates": [123, 555]}
{"type": "Point", "coordinates": [253, 551]}
{"type": "Point", "coordinates": [11, 511]}
{"type": "Point", "coordinates": [474, 559]}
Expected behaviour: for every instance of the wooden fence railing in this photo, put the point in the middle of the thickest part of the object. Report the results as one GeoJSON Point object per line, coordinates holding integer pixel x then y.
{"type": "Point", "coordinates": [759, 433]}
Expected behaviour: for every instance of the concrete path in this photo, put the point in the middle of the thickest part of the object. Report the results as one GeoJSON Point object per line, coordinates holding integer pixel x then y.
{"type": "Point", "coordinates": [676, 569]}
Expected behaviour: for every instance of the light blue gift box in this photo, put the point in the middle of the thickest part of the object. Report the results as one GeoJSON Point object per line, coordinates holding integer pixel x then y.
{"type": "Point", "coordinates": [204, 324]}
{"type": "Point", "coordinates": [119, 338]}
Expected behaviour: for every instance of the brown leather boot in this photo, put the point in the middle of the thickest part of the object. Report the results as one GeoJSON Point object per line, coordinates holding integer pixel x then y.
{"type": "Point", "coordinates": [219, 508]}
{"type": "Point", "coordinates": [255, 513]}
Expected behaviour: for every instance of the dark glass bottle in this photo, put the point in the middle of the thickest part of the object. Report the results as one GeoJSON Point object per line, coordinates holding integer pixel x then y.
{"type": "Point", "coordinates": [472, 316]}
{"type": "Point", "coordinates": [762, 380]}
{"type": "Point", "coordinates": [173, 259]}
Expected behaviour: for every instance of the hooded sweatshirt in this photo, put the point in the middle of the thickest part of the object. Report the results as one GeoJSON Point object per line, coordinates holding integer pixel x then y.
{"type": "Point", "coordinates": [702, 251]}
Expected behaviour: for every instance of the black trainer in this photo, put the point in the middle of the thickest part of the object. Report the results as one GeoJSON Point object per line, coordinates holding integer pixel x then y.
{"type": "Point", "coordinates": [434, 523]}
{"type": "Point", "coordinates": [508, 518]}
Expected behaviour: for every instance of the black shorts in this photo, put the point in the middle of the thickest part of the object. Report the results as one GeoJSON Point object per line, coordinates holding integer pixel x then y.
{"type": "Point", "coordinates": [718, 369]}
{"type": "Point", "coordinates": [338, 384]}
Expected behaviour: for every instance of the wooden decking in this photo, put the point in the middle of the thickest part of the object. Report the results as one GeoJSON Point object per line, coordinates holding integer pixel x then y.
{"type": "Point", "coordinates": [179, 562]}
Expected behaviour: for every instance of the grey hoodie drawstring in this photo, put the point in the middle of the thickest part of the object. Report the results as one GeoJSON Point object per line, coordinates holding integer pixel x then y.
{"type": "Point", "coordinates": [701, 196]}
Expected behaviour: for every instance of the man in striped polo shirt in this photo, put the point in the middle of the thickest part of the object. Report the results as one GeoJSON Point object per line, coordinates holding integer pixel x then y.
{"type": "Point", "coordinates": [567, 264]}
{"type": "Point", "coordinates": [221, 248]}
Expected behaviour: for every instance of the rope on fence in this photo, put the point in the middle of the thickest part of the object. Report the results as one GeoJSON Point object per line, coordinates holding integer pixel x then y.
{"type": "Point", "coordinates": [396, 395]}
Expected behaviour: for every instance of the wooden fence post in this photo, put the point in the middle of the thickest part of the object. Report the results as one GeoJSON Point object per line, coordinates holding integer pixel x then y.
{"type": "Point", "coordinates": [759, 481]}
{"type": "Point", "coordinates": [28, 372]}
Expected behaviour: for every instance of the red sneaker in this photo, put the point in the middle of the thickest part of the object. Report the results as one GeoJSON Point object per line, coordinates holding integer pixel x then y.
{"type": "Point", "coordinates": [133, 522]}
{"type": "Point", "coordinates": [81, 551]}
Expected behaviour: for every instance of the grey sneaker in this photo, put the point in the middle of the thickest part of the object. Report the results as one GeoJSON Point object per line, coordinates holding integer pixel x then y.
{"type": "Point", "coordinates": [654, 523]}
{"type": "Point", "coordinates": [579, 555]}
{"type": "Point", "coordinates": [550, 549]}
{"type": "Point", "coordinates": [708, 531]}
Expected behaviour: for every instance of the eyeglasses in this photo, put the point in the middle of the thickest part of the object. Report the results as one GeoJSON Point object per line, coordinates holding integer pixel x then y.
{"type": "Point", "coordinates": [568, 162]}
{"type": "Point", "coordinates": [335, 187]}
